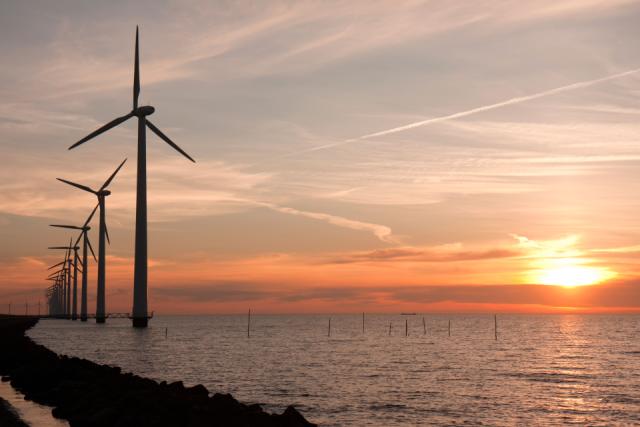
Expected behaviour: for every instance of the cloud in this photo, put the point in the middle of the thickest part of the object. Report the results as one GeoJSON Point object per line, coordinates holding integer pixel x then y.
{"type": "Point", "coordinates": [622, 295]}
{"type": "Point", "coordinates": [489, 107]}
{"type": "Point", "coordinates": [382, 232]}
{"type": "Point", "coordinates": [216, 292]}
{"type": "Point", "coordinates": [445, 253]}
{"type": "Point", "coordinates": [616, 295]}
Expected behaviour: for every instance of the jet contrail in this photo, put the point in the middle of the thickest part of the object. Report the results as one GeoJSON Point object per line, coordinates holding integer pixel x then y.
{"type": "Point", "coordinates": [476, 110]}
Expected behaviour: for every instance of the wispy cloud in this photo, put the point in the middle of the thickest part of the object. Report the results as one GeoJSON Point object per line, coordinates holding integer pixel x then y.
{"type": "Point", "coordinates": [477, 110]}
{"type": "Point", "coordinates": [382, 232]}
{"type": "Point", "coordinates": [445, 253]}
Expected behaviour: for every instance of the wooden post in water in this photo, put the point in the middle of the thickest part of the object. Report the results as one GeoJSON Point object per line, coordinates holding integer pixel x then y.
{"type": "Point", "coordinates": [449, 327]}
{"type": "Point", "coordinates": [495, 326]}
{"type": "Point", "coordinates": [424, 325]}
{"type": "Point", "coordinates": [166, 332]}
{"type": "Point", "coordinates": [406, 327]}
{"type": "Point", "coordinates": [329, 331]}
{"type": "Point", "coordinates": [389, 328]}
{"type": "Point", "coordinates": [363, 322]}
{"type": "Point", "coordinates": [249, 324]}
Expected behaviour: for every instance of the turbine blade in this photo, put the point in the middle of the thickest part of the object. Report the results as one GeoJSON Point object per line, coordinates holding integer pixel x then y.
{"type": "Point", "coordinates": [108, 181]}
{"type": "Point", "coordinates": [113, 123]}
{"type": "Point", "coordinates": [73, 227]}
{"type": "Point", "coordinates": [80, 186]}
{"type": "Point", "coordinates": [91, 216]}
{"type": "Point", "coordinates": [91, 249]}
{"type": "Point", "coordinates": [53, 266]}
{"type": "Point", "coordinates": [168, 141]}
{"type": "Point", "coordinates": [106, 232]}
{"type": "Point", "coordinates": [59, 247]}
{"type": "Point", "coordinates": [136, 75]}
{"type": "Point", "coordinates": [78, 239]}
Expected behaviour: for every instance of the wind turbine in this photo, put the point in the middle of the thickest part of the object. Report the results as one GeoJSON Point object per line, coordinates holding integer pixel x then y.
{"type": "Point", "coordinates": [57, 290]}
{"type": "Point", "coordinates": [85, 266]}
{"type": "Point", "coordinates": [101, 194]}
{"type": "Point", "coordinates": [61, 280]}
{"type": "Point", "coordinates": [67, 259]}
{"type": "Point", "coordinates": [140, 314]}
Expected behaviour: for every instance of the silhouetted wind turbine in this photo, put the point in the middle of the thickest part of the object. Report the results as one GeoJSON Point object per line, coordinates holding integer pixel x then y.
{"type": "Point", "coordinates": [67, 259]}
{"type": "Point", "coordinates": [53, 295]}
{"type": "Point", "coordinates": [139, 315]}
{"type": "Point", "coordinates": [102, 233]}
{"type": "Point", "coordinates": [56, 276]}
{"type": "Point", "coordinates": [85, 266]}
{"type": "Point", "coordinates": [61, 280]}
{"type": "Point", "coordinates": [57, 292]}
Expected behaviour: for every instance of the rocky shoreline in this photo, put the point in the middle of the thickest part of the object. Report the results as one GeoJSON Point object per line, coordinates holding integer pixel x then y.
{"type": "Point", "coordinates": [8, 416]}
{"type": "Point", "coordinates": [87, 394]}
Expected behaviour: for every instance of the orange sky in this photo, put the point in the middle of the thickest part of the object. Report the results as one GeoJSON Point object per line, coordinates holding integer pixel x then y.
{"type": "Point", "coordinates": [438, 156]}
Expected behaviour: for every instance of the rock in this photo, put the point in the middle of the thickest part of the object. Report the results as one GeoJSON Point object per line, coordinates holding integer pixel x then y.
{"type": "Point", "coordinates": [88, 394]}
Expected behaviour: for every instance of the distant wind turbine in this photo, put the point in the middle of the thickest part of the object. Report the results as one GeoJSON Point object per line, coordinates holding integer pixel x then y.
{"type": "Point", "coordinates": [66, 271]}
{"type": "Point", "coordinates": [53, 296]}
{"type": "Point", "coordinates": [71, 296]}
{"type": "Point", "coordinates": [101, 194]}
{"type": "Point", "coordinates": [57, 291]}
{"type": "Point", "coordinates": [85, 266]}
{"type": "Point", "coordinates": [140, 314]}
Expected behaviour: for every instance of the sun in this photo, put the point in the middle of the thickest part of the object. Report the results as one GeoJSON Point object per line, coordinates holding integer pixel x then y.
{"type": "Point", "coordinates": [572, 275]}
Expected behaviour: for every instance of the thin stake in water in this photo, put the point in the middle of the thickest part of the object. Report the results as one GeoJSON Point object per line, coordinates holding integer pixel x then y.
{"type": "Point", "coordinates": [329, 332]}
{"type": "Point", "coordinates": [449, 327]}
{"type": "Point", "coordinates": [495, 326]}
{"type": "Point", "coordinates": [424, 325]}
{"type": "Point", "coordinates": [363, 322]}
{"type": "Point", "coordinates": [249, 324]}
{"type": "Point", "coordinates": [166, 332]}
{"type": "Point", "coordinates": [389, 328]}
{"type": "Point", "coordinates": [406, 327]}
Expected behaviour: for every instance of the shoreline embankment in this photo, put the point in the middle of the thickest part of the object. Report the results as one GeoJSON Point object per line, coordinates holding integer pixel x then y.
{"type": "Point", "coordinates": [88, 394]}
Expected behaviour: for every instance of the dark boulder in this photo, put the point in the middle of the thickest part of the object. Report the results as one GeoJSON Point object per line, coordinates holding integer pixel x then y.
{"type": "Point", "coordinates": [88, 394]}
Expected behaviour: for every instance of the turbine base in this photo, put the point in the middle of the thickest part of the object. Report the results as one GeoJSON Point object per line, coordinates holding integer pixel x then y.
{"type": "Point", "coordinates": [83, 319]}
{"type": "Point", "coordinates": [100, 319]}
{"type": "Point", "coordinates": [74, 317]}
{"type": "Point", "coordinates": [140, 322]}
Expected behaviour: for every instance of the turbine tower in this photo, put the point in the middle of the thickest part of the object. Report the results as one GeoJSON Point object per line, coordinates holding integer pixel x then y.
{"type": "Point", "coordinates": [57, 291]}
{"type": "Point", "coordinates": [67, 269]}
{"type": "Point", "coordinates": [85, 266]}
{"type": "Point", "coordinates": [101, 194]}
{"type": "Point", "coordinates": [139, 315]}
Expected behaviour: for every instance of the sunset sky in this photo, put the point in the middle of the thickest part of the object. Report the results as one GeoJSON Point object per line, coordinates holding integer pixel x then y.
{"type": "Point", "coordinates": [382, 156]}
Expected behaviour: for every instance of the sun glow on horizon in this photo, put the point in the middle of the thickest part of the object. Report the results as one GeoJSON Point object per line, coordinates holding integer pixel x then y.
{"type": "Point", "coordinates": [572, 275]}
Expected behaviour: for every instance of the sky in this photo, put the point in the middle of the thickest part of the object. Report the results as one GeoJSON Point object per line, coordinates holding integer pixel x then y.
{"type": "Point", "coordinates": [428, 156]}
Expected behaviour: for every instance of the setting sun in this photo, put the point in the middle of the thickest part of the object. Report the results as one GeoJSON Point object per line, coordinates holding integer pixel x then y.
{"type": "Point", "coordinates": [573, 275]}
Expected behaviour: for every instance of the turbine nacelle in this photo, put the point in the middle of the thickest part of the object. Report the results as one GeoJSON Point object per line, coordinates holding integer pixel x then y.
{"type": "Point", "coordinates": [104, 193]}
{"type": "Point", "coordinates": [145, 110]}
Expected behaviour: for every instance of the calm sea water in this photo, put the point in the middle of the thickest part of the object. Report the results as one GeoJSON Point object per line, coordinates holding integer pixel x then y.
{"type": "Point", "coordinates": [542, 370]}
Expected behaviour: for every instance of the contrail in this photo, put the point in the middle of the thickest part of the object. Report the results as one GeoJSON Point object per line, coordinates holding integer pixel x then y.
{"type": "Point", "coordinates": [476, 110]}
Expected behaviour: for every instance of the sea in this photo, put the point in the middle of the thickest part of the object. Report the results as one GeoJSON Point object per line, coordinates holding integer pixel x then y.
{"type": "Point", "coordinates": [386, 370]}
